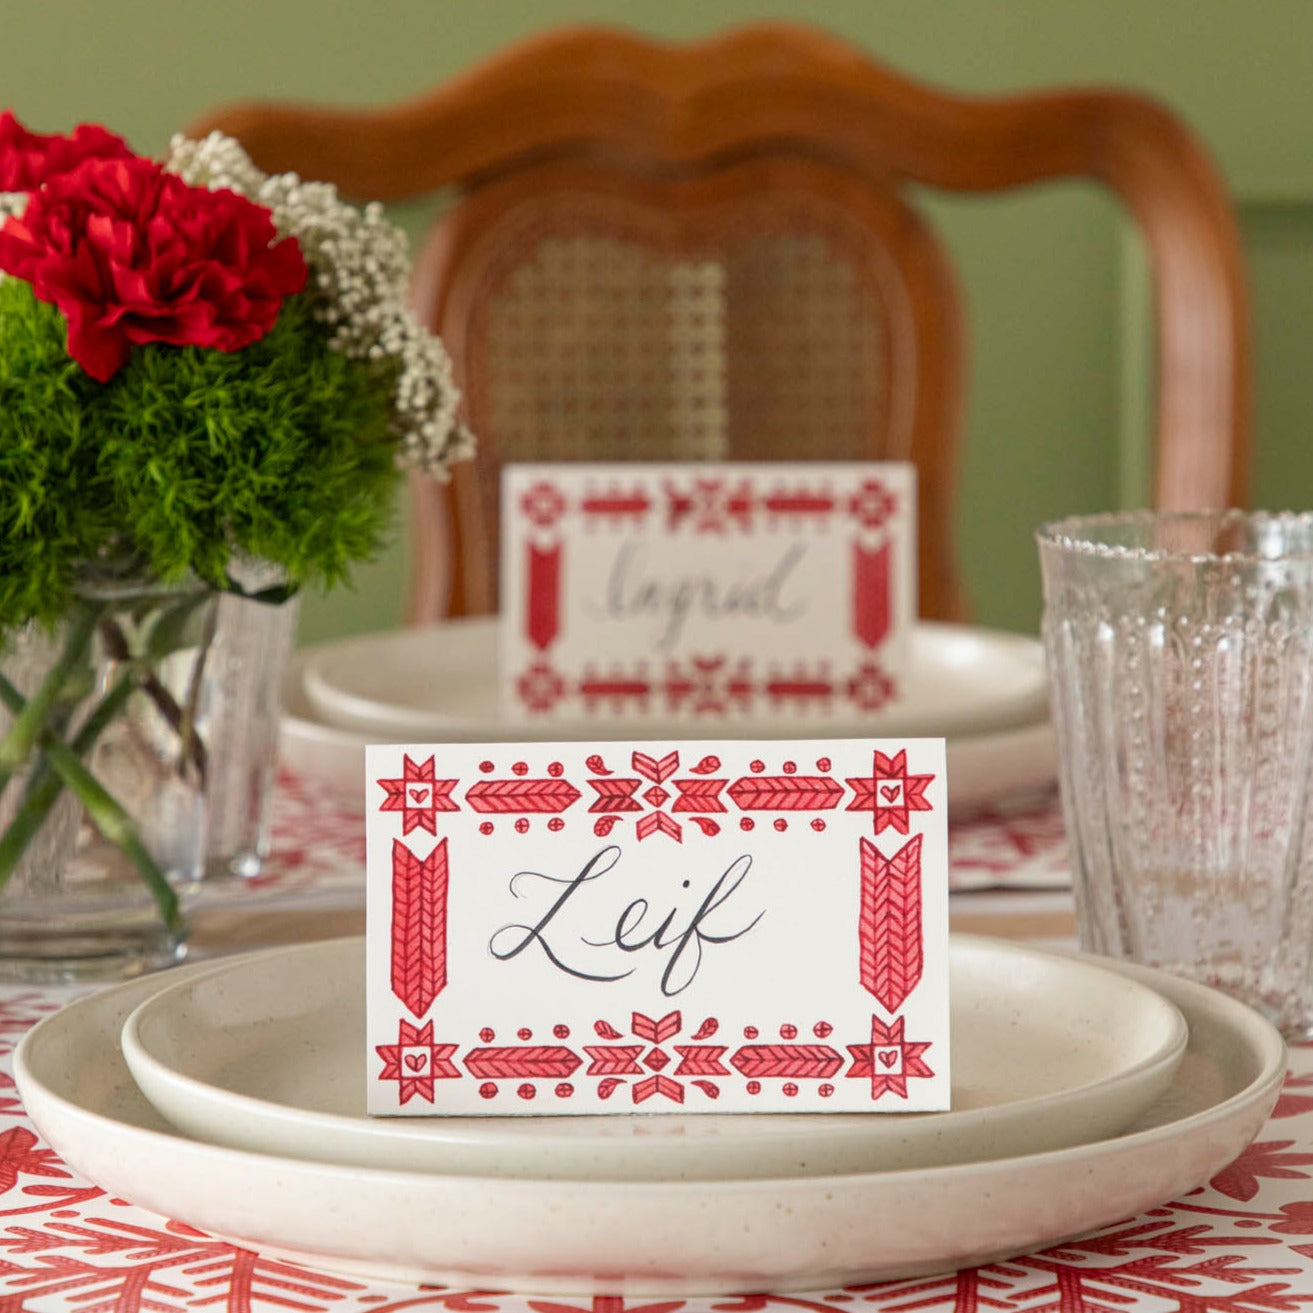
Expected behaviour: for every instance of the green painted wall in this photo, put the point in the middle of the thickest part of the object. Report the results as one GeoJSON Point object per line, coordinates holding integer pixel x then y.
{"type": "Point", "coordinates": [1051, 278]}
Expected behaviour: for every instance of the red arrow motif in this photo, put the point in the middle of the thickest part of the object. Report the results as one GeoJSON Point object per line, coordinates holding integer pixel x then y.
{"type": "Point", "coordinates": [889, 923]}
{"type": "Point", "coordinates": [645, 1089]}
{"type": "Point", "coordinates": [615, 795]}
{"type": "Point", "coordinates": [699, 795]}
{"type": "Point", "coordinates": [799, 688]}
{"type": "Point", "coordinates": [701, 1060]}
{"type": "Point", "coordinates": [799, 503]}
{"type": "Point", "coordinates": [617, 1060]}
{"type": "Point", "coordinates": [810, 1061]}
{"type": "Point", "coordinates": [512, 1061]}
{"type": "Point", "coordinates": [543, 621]}
{"type": "Point", "coordinates": [503, 796]}
{"type": "Point", "coordinates": [871, 570]}
{"type": "Point", "coordinates": [782, 793]}
{"type": "Point", "coordinates": [656, 771]}
{"type": "Point", "coordinates": [658, 823]}
{"type": "Point", "coordinates": [597, 688]}
{"type": "Point", "coordinates": [419, 926]}
{"type": "Point", "coordinates": [656, 1032]}
{"type": "Point", "coordinates": [616, 504]}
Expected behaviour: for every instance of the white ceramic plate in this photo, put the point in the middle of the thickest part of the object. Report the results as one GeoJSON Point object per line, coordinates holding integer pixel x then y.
{"type": "Point", "coordinates": [982, 768]}
{"type": "Point", "coordinates": [441, 682]}
{"type": "Point", "coordinates": [667, 1238]}
{"type": "Point", "coordinates": [1046, 1052]}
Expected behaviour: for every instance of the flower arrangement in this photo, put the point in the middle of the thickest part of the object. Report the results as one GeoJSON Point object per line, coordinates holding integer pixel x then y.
{"type": "Point", "coordinates": [201, 366]}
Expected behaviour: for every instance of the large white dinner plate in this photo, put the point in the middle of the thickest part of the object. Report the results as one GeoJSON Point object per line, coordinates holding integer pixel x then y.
{"type": "Point", "coordinates": [1046, 1052]}
{"type": "Point", "coordinates": [982, 768]}
{"type": "Point", "coordinates": [646, 1238]}
{"type": "Point", "coordinates": [441, 682]}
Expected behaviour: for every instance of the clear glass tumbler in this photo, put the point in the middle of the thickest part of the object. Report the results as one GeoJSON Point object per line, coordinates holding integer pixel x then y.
{"type": "Point", "coordinates": [1180, 654]}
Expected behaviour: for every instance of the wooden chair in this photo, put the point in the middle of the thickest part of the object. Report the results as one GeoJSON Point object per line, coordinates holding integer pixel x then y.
{"type": "Point", "coordinates": [704, 250]}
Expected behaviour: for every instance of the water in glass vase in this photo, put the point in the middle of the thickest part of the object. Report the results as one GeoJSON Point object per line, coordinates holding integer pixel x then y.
{"type": "Point", "coordinates": [103, 770]}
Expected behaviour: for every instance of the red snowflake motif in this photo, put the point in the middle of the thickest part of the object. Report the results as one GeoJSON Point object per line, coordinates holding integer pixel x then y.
{"type": "Point", "coordinates": [694, 796]}
{"type": "Point", "coordinates": [19, 1153]}
{"type": "Point", "coordinates": [415, 1061]}
{"type": "Point", "coordinates": [872, 504]}
{"type": "Point", "coordinates": [888, 1059]}
{"type": "Point", "coordinates": [418, 796]}
{"type": "Point", "coordinates": [622, 795]}
{"type": "Point", "coordinates": [612, 1061]}
{"type": "Point", "coordinates": [890, 793]}
{"type": "Point", "coordinates": [540, 688]}
{"type": "Point", "coordinates": [870, 688]}
{"type": "Point", "coordinates": [543, 504]}
{"type": "Point", "coordinates": [707, 686]}
{"type": "Point", "coordinates": [712, 505]}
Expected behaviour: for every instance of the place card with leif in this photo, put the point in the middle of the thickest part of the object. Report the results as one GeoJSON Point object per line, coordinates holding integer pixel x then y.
{"type": "Point", "coordinates": [673, 592]}
{"type": "Point", "coordinates": [657, 927]}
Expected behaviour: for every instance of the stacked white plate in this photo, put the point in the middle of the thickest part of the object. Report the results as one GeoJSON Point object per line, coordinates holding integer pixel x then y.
{"type": "Point", "coordinates": [231, 1097]}
{"type": "Point", "coordinates": [984, 690]}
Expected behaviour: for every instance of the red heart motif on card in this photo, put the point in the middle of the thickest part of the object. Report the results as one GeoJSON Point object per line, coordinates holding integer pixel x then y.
{"type": "Point", "coordinates": [887, 1057]}
{"type": "Point", "coordinates": [418, 795]}
{"type": "Point", "coordinates": [890, 791]}
{"type": "Point", "coordinates": [416, 1061]}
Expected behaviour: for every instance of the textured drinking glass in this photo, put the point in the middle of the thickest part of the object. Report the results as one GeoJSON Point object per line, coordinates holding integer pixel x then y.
{"type": "Point", "coordinates": [1180, 654]}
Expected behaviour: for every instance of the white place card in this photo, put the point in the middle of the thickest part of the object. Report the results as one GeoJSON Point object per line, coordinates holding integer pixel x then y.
{"type": "Point", "coordinates": [657, 927]}
{"type": "Point", "coordinates": [673, 592]}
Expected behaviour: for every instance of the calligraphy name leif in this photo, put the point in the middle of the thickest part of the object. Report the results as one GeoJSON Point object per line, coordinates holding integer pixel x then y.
{"type": "Point", "coordinates": [682, 934]}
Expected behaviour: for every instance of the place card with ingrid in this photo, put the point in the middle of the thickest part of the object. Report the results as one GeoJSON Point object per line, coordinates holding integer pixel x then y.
{"type": "Point", "coordinates": [564, 928]}
{"type": "Point", "coordinates": [676, 592]}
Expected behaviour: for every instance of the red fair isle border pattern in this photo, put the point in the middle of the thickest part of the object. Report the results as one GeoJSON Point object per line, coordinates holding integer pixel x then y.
{"type": "Point", "coordinates": [655, 795]}
{"type": "Point", "coordinates": [319, 848]}
{"type": "Point", "coordinates": [709, 685]}
{"type": "Point", "coordinates": [638, 1059]}
{"type": "Point", "coordinates": [890, 928]}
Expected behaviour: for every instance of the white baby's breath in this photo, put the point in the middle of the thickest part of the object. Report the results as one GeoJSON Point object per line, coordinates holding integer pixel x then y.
{"type": "Point", "coordinates": [360, 266]}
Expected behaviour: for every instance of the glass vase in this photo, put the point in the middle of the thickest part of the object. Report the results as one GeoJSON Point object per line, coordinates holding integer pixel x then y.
{"type": "Point", "coordinates": [104, 769]}
{"type": "Point", "coordinates": [252, 644]}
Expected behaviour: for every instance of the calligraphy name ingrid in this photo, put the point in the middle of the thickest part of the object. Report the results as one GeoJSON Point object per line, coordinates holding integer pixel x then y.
{"type": "Point", "coordinates": [680, 933]}
{"type": "Point", "coordinates": [633, 591]}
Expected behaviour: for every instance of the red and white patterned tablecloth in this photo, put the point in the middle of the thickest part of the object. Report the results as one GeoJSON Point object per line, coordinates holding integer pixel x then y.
{"type": "Point", "coordinates": [1241, 1244]}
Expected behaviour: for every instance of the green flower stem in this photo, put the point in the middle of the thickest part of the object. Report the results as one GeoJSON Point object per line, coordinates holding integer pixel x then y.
{"type": "Point", "coordinates": [31, 714]}
{"type": "Point", "coordinates": [117, 826]}
{"type": "Point", "coordinates": [45, 786]}
{"type": "Point", "coordinates": [116, 645]}
{"type": "Point", "coordinates": [192, 747]}
{"type": "Point", "coordinates": [107, 814]}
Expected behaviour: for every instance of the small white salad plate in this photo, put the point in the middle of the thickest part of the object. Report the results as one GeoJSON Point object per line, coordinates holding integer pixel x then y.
{"type": "Point", "coordinates": [982, 768]}
{"type": "Point", "coordinates": [441, 682]}
{"type": "Point", "coordinates": [645, 1238]}
{"type": "Point", "coordinates": [1046, 1052]}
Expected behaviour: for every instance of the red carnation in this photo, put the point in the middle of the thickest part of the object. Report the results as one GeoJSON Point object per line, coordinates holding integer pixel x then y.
{"type": "Point", "coordinates": [132, 254]}
{"type": "Point", "coordinates": [28, 159]}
